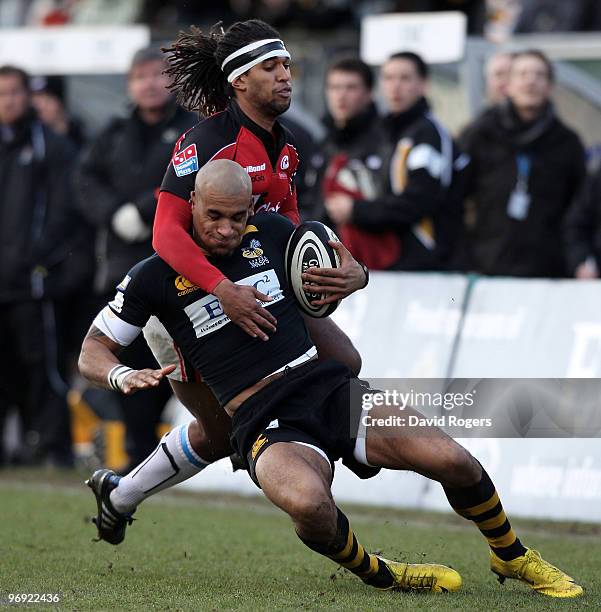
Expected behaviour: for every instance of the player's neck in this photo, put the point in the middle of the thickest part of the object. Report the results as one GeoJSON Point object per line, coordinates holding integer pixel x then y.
{"type": "Point", "coordinates": [262, 120]}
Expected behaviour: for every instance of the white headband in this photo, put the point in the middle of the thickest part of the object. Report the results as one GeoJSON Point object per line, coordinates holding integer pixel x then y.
{"type": "Point", "coordinates": [254, 58]}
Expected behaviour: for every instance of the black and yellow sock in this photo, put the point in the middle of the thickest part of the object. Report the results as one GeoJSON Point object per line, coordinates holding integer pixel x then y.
{"type": "Point", "coordinates": [345, 550]}
{"type": "Point", "coordinates": [480, 503]}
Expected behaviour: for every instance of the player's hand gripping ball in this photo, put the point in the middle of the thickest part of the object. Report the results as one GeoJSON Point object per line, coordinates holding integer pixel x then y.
{"type": "Point", "coordinates": [308, 248]}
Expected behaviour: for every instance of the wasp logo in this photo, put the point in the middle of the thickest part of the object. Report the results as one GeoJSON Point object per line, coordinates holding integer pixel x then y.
{"type": "Point", "coordinates": [257, 446]}
{"type": "Point", "coordinates": [254, 250]}
{"type": "Point", "coordinates": [184, 285]}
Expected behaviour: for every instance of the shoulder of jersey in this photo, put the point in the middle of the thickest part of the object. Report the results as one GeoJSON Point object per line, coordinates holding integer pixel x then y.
{"type": "Point", "coordinates": [264, 221]}
{"type": "Point", "coordinates": [210, 135]}
{"type": "Point", "coordinates": [152, 265]}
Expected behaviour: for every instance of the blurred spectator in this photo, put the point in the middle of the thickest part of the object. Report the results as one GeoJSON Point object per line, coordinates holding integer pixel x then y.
{"type": "Point", "coordinates": [49, 102]}
{"type": "Point", "coordinates": [117, 181]}
{"type": "Point", "coordinates": [425, 197]}
{"type": "Point", "coordinates": [46, 267]}
{"type": "Point", "coordinates": [349, 159]}
{"type": "Point", "coordinates": [526, 167]}
{"type": "Point", "coordinates": [408, 215]}
{"type": "Point", "coordinates": [583, 231]}
{"type": "Point", "coordinates": [496, 74]}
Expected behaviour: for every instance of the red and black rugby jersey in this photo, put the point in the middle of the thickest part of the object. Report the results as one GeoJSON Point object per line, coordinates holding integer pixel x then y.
{"type": "Point", "coordinates": [270, 160]}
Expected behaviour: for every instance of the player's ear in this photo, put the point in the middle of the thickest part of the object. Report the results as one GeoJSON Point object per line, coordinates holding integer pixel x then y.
{"type": "Point", "coordinates": [251, 207]}
{"type": "Point", "coordinates": [239, 84]}
{"type": "Point", "coordinates": [193, 199]}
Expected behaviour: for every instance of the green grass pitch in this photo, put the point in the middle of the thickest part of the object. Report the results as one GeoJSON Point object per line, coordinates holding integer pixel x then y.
{"type": "Point", "coordinates": [215, 552]}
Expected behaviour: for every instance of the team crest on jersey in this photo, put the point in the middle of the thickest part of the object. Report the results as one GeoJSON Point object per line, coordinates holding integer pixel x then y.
{"type": "Point", "coordinates": [254, 250]}
{"type": "Point", "coordinates": [185, 161]}
{"type": "Point", "coordinates": [184, 286]}
{"type": "Point", "coordinates": [254, 253]}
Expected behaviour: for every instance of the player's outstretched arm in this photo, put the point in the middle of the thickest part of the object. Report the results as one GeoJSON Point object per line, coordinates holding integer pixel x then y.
{"type": "Point", "coordinates": [337, 283]}
{"type": "Point", "coordinates": [174, 244]}
{"type": "Point", "coordinates": [98, 363]}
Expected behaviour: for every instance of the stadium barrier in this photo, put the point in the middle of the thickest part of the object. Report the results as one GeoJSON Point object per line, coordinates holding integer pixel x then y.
{"type": "Point", "coordinates": [453, 326]}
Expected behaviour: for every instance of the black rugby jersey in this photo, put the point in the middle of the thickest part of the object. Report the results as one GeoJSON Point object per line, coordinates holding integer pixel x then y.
{"type": "Point", "coordinates": [227, 358]}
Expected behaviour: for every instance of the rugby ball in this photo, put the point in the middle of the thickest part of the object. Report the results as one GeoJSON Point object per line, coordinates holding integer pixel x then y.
{"type": "Point", "coordinates": [308, 248]}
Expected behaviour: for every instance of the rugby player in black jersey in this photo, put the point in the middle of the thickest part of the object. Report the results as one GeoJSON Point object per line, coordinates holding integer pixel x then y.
{"type": "Point", "coordinates": [291, 414]}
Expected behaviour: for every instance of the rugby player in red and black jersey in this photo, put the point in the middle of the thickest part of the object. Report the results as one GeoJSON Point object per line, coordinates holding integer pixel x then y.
{"type": "Point", "coordinates": [240, 80]}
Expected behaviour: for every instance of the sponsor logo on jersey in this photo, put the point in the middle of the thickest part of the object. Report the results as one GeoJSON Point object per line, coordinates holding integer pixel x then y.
{"type": "Point", "coordinates": [184, 285]}
{"type": "Point", "coordinates": [250, 169]}
{"type": "Point", "coordinates": [185, 161]}
{"type": "Point", "coordinates": [268, 207]}
{"type": "Point", "coordinates": [258, 445]}
{"type": "Point", "coordinates": [122, 286]}
{"type": "Point", "coordinates": [206, 314]}
{"type": "Point", "coordinates": [285, 163]}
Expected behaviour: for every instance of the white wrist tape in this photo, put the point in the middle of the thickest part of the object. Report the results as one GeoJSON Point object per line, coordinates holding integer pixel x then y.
{"type": "Point", "coordinates": [117, 375]}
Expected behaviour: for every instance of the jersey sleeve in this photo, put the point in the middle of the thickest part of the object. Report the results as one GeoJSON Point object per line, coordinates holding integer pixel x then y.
{"type": "Point", "coordinates": [171, 237]}
{"type": "Point", "coordinates": [181, 171]}
{"type": "Point", "coordinates": [172, 241]}
{"type": "Point", "coordinates": [123, 318]}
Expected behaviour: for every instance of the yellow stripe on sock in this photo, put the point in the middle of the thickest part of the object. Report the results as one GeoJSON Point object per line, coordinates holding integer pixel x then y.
{"type": "Point", "coordinates": [356, 562]}
{"type": "Point", "coordinates": [480, 508]}
{"type": "Point", "coordinates": [503, 541]}
{"type": "Point", "coordinates": [346, 551]}
{"type": "Point", "coordinates": [494, 522]}
{"type": "Point", "coordinates": [373, 568]}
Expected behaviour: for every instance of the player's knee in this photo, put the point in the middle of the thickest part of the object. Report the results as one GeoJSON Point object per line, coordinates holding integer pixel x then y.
{"type": "Point", "coordinates": [356, 362]}
{"type": "Point", "coordinates": [461, 467]}
{"type": "Point", "coordinates": [352, 358]}
{"type": "Point", "coordinates": [312, 504]}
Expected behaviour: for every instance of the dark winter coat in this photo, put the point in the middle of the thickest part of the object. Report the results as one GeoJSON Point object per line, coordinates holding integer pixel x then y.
{"type": "Point", "coordinates": [126, 163]}
{"type": "Point", "coordinates": [44, 241]}
{"type": "Point", "coordinates": [528, 244]}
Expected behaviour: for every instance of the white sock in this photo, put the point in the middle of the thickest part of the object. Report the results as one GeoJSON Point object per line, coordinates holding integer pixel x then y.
{"type": "Point", "coordinates": [172, 462]}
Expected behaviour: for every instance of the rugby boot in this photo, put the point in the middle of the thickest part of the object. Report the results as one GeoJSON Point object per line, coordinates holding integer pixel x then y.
{"type": "Point", "coordinates": [422, 577]}
{"type": "Point", "coordinates": [110, 523]}
{"type": "Point", "coordinates": [537, 573]}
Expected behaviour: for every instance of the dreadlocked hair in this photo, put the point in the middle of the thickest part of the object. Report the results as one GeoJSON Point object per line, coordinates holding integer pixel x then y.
{"type": "Point", "coordinates": [195, 63]}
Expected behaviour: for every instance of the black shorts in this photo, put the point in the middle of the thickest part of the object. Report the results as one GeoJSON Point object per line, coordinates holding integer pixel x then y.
{"type": "Point", "coordinates": [309, 404]}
